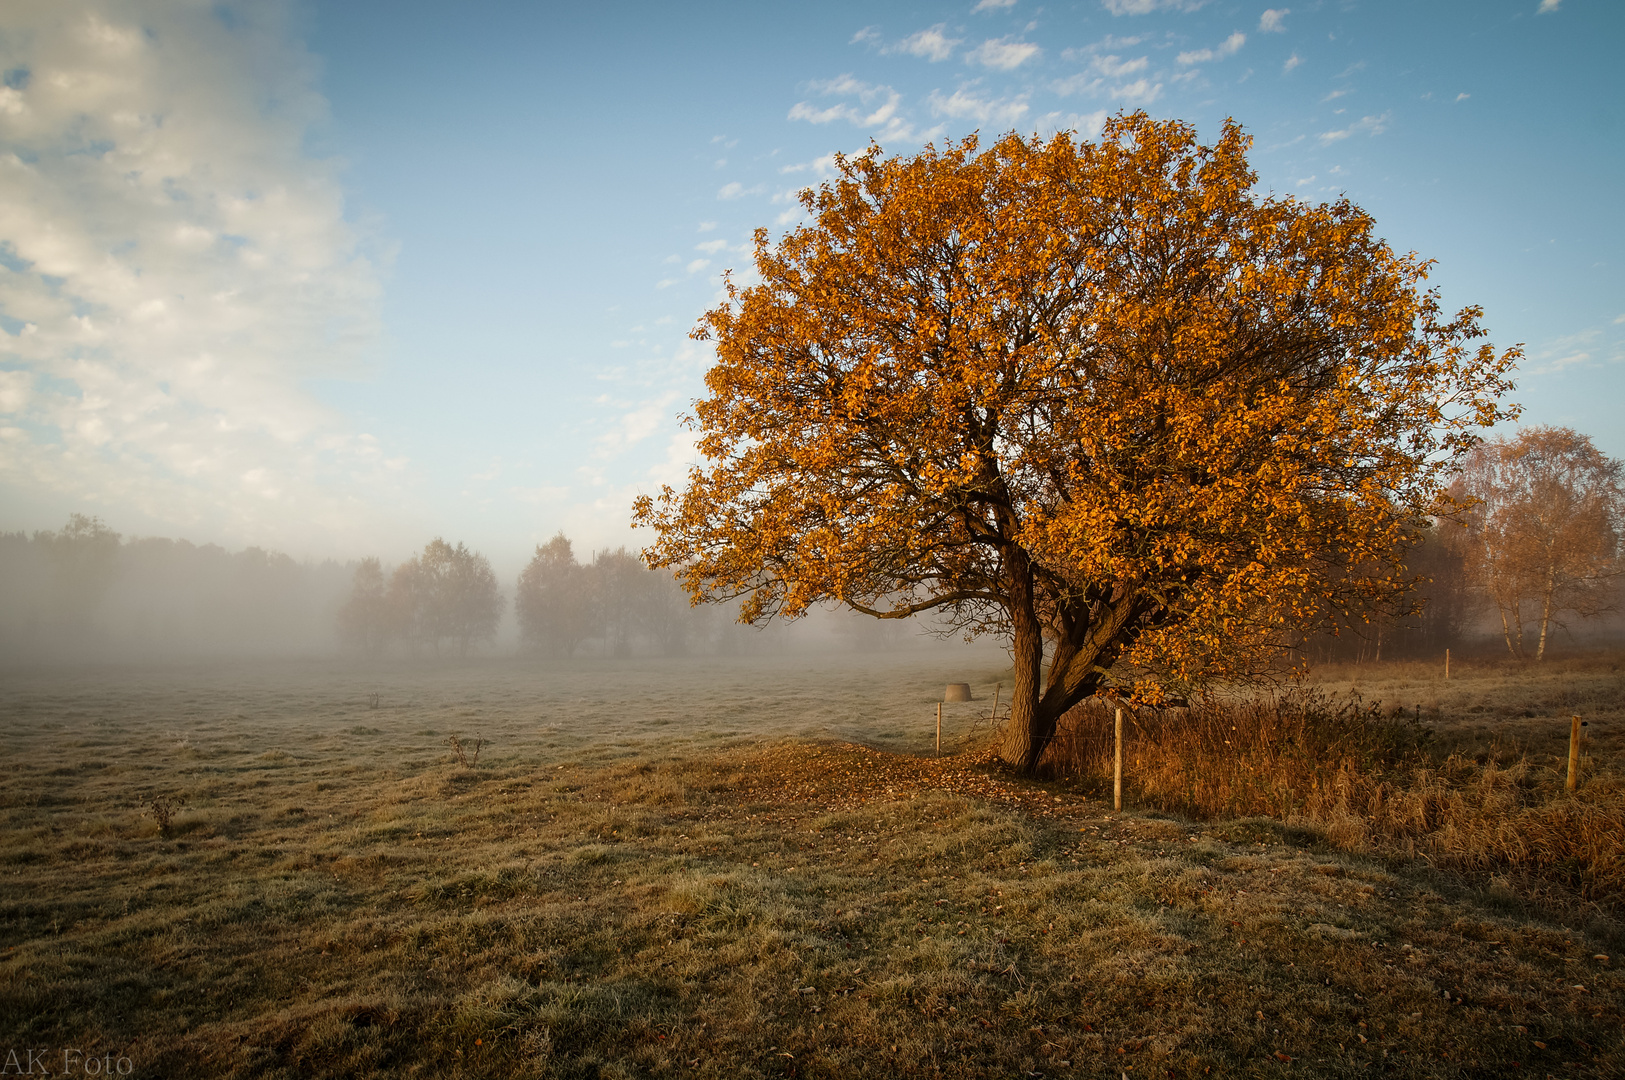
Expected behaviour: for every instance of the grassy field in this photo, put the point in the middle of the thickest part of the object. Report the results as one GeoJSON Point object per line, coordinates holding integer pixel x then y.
{"type": "Point", "coordinates": [743, 868]}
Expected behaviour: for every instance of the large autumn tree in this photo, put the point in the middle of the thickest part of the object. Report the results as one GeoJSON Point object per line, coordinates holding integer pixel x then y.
{"type": "Point", "coordinates": [1097, 393]}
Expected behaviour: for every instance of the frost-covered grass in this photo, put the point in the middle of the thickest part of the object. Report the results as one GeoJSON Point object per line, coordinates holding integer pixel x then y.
{"type": "Point", "coordinates": [690, 870]}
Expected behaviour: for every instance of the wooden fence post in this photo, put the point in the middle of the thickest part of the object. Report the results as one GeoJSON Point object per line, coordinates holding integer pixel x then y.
{"type": "Point", "coordinates": [1574, 754]}
{"type": "Point", "coordinates": [1117, 768]}
{"type": "Point", "coordinates": [939, 729]}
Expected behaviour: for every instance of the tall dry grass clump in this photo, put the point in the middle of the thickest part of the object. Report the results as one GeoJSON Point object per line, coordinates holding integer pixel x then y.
{"type": "Point", "coordinates": [1364, 778]}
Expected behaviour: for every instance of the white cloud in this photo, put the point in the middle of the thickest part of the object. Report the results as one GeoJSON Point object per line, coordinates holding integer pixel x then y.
{"type": "Point", "coordinates": [1146, 7]}
{"type": "Point", "coordinates": [16, 389]}
{"type": "Point", "coordinates": [1113, 68]}
{"type": "Point", "coordinates": [992, 5]}
{"type": "Point", "coordinates": [696, 265]}
{"type": "Point", "coordinates": [1565, 351]}
{"type": "Point", "coordinates": [706, 226]}
{"type": "Point", "coordinates": [1366, 125]}
{"type": "Point", "coordinates": [965, 104]}
{"type": "Point", "coordinates": [1547, 7]}
{"type": "Point", "coordinates": [1273, 21]}
{"type": "Point", "coordinates": [182, 268]}
{"type": "Point", "coordinates": [1230, 47]}
{"type": "Point", "coordinates": [1291, 62]}
{"type": "Point", "coordinates": [1138, 92]}
{"type": "Point", "coordinates": [880, 107]}
{"type": "Point", "coordinates": [824, 166]}
{"type": "Point", "coordinates": [868, 33]}
{"type": "Point", "coordinates": [736, 190]}
{"type": "Point", "coordinates": [635, 424]}
{"type": "Point", "coordinates": [929, 44]}
{"type": "Point", "coordinates": [1087, 125]}
{"type": "Point", "coordinates": [1463, 97]}
{"type": "Point", "coordinates": [1003, 54]}
{"type": "Point", "coordinates": [711, 247]}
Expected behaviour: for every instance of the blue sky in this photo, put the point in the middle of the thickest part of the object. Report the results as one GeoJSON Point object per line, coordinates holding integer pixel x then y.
{"type": "Point", "coordinates": [336, 277]}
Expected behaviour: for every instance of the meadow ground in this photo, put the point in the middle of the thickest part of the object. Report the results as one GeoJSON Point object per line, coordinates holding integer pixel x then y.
{"type": "Point", "coordinates": [727, 868]}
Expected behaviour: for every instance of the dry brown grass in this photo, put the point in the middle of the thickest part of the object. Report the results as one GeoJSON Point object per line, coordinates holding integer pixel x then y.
{"type": "Point", "coordinates": [1384, 776]}
{"type": "Point", "coordinates": [630, 885]}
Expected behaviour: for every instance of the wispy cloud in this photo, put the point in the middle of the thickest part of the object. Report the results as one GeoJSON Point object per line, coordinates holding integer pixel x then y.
{"type": "Point", "coordinates": [1003, 54]}
{"type": "Point", "coordinates": [1273, 21]}
{"type": "Point", "coordinates": [172, 291]}
{"type": "Point", "coordinates": [1138, 92]}
{"type": "Point", "coordinates": [634, 424]}
{"type": "Point", "coordinates": [877, 107]}
{"type": "Point", "coordinates": [1366, 125]}
{"type": "Point", "coordinates": [1146, 7]}
{"type": "Point", "coordinates": [929, 44]}
{"type": "Point", "coordinates": [1113, 68]}
{"type": "Point", "coordinates": [992, 5]}
{"type": "Point", "coordinates": [1230, 47]}
{"type": "Point", "coordinates": [1087, 125]}
{"type": "Point", "coordinates": [1547, 7]}
{"type": "Point", "coordinates": [1109, 75]}
{"type": "Point", "coordinates": [966, 104]}
{"type": "Point", "coordinates": [1291, 62]}
{"type": "Point", "coordinates": [736, 190]}
{"type": "Point", "coordinates": [823, 166]}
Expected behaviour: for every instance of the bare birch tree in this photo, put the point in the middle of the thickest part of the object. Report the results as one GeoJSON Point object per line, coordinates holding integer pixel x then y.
{"type": "Point", "coordinates": [1544, 529]}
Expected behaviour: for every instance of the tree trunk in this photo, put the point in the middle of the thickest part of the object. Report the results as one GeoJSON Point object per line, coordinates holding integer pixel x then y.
{"type": "Point", "coordinates": [1085, 648]}
{"type": "Point", "coordinates": [1545, 614]}
{"type": "Point", "coordinates": [1025, 735]}
{"type": "Point", "coordinates": [1023, 741]}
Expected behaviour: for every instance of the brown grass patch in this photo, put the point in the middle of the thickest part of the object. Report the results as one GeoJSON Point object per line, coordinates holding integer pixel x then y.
{"type": "Point", "coordinates": [1375, 777]}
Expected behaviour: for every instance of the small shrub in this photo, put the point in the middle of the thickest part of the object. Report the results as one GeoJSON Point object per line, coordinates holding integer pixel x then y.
{"type": "Point", "coordinates": [467, 754]}
{"type": "Point", "coordinates": [162, 810]}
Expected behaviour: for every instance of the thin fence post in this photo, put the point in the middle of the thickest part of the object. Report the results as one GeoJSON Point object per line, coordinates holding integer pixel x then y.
{"type": "Point", "coordinates": [939, 729]}
{"type": "Point", "coordinates": [1117, 768]}
{"type": "Point", "coordinates": [1447, 665]}
{"type": "Point", "coordinates": [1574, 754]}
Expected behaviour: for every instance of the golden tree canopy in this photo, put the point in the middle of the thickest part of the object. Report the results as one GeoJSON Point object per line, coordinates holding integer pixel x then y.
{"type": "Point", "coordinates": [1100, 393]}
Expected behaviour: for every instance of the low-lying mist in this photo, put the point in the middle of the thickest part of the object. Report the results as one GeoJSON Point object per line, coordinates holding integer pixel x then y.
{"type": "Point", "coordinates": [85, 594]}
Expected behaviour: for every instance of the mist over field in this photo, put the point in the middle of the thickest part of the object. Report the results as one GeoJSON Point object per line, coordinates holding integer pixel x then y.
{"type": "Point", "coordinates": [84, 594]}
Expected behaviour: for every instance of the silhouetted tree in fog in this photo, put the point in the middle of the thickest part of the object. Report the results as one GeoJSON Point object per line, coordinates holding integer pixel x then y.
{"type": "Point", "coordinates": [618, 583]}
{"type": "Point", "coordinates": [554, 601]}
{"type": "Point", "coordinates": [1545, 528]}
{"type": "Point", "coordinates": [364, 620]}
{"type": "Point", "coordinates": [84, 558]}
{"type": "Point", "coordinates": [445, 593]}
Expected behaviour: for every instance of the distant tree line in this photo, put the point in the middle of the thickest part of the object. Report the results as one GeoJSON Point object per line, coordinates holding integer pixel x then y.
{"type": "Point", "coordinates": [446, 599]}
{"type": "Point", "coordinates": [85, 592]}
